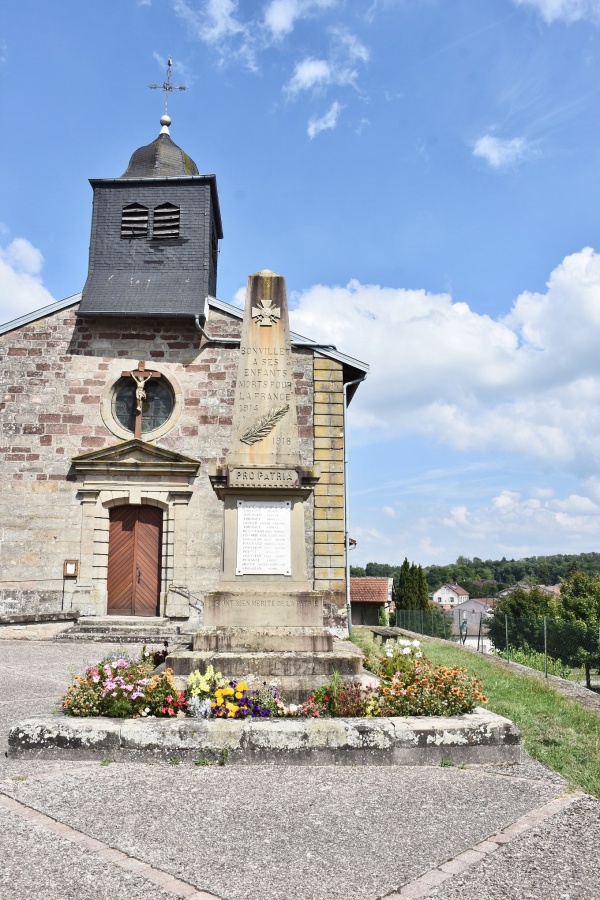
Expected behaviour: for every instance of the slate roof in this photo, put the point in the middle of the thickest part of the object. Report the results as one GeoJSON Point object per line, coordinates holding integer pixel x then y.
{"type": "Point", "coordinates": [369, 590]}
{"type": "Point", "coordinates": [160, 159]}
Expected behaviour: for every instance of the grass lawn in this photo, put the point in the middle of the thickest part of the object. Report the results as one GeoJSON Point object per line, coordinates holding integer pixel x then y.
{"type": "Point", "coordinates": [558, 732]}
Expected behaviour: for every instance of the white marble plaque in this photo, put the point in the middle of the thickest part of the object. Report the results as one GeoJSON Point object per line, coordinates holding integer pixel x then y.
{"type": "Point", "coordinates": [263, 537]}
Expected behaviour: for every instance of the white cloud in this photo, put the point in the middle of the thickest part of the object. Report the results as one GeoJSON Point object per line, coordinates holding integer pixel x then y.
{"type": "Point", "coordinates": [503, 154]}
{"type": "Point", "coordinates": [216, 23]}
{"type": "Point", "coordinates": [21, 288]}
{"type": "Point", "coordinates": [528, 383]}
{"type": "Point", "coordinates": [389, 511]}
{"type": "Point", "coordinates": [326, 122]}
{"type": "Point", "coordinates": [310, 73]}
{"type": "Point", "coordinates": [280, 16]}
{"type": "Point", "coordinates": [338, 69]}
{"type": "Point", "coordinates": [564, 10]}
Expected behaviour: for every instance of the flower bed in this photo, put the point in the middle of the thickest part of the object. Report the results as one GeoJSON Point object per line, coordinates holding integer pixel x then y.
{"type": "Point", "coordinates": [409, 685]}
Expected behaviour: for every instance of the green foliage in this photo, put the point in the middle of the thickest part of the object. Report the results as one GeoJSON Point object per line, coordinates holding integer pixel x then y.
{"type": "Point", "coordinates": [357, 572]}
{"type": "Point", "coordinates": [525, 656]}
{"type": "Point", "coordinates": [411, 587]}
{"type": "Point", "coordinates": [427, 690]}
{"type": "Point", "coordinates": [560, 733]}
{"type": "Point", "coordinates": [484, 578]}
{"type": "Point", "coordinates": [383, 616]}
{"type": "Point", "coordinates": [572, 630]}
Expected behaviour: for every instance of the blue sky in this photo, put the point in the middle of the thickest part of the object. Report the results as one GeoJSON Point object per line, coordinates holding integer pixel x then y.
{"type": "Point", "coordinates": [425, 175]}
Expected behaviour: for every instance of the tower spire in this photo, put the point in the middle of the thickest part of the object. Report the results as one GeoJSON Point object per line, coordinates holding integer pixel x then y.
{"type": "Point", "coordinates": [167, 87]}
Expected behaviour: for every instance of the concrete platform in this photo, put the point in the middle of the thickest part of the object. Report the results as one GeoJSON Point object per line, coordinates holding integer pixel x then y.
{"type": "Point", "coordinates": [502, 832]}
{"type": "Point", "coordinates": [478, 737]}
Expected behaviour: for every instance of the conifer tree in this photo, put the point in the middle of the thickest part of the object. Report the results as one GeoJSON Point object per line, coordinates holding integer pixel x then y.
{"type": "Point", "coordinates": [403, 593]}
{"type": "Point", "coordinates": [423, 591]}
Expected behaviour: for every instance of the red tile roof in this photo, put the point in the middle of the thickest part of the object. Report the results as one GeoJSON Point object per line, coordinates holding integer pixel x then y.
{"type": "Point", "coordinates": [369, 590]}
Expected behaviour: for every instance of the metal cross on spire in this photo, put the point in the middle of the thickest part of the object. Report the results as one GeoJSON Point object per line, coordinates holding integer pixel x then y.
{"type": "Point", "coordinates": [166, 86]}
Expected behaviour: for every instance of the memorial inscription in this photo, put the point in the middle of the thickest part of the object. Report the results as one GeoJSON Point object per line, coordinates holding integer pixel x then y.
{"type": "Point", "coordinates": [249, 477]}
{"type": "Point", "coordinates": [263, 537]}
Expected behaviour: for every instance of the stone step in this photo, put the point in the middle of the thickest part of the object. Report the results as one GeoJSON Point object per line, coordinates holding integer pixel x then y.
{"type": "Point", "coordinates": [138, 621]}
{"type": "Point", "coordinates": [180, 639]}
{"type": "Point", "coordinates": [125, 629]}
{"type": "Point", "coordinates": [266, 665]}
{"type": "Point", "coordinates": [245, 639]}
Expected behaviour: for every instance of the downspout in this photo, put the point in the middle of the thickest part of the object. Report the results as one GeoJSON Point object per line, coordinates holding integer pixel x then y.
{"type": "Point", "coordinates": [346, 533]}
{"type": "Point", "coordinates": [234, 342]}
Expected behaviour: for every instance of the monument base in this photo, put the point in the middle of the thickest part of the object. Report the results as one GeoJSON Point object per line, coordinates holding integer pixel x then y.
{"type": "Point", "coordinates": [267, 632]}
{"type": "Point", "coordinates": [272, 604]}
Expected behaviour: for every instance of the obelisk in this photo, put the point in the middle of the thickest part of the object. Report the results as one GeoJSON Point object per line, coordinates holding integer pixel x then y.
{"type": "Point", "coordinates": [264, 619]}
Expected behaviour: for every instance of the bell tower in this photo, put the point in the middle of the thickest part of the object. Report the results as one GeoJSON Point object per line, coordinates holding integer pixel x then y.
{"type": "Point", "coordinates": [155, 234]}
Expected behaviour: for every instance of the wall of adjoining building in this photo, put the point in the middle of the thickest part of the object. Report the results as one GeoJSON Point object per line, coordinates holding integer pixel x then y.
{"type": "Point", "coordinates": [54, 377]}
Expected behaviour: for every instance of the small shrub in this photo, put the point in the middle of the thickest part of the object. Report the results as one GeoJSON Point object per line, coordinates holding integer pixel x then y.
{"type": "Point", "coordinates": [427, 691]}
{"type": "Point", "coordinates": [122, 686]}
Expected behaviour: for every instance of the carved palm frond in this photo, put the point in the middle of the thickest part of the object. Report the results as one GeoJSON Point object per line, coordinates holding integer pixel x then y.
{"type": "Point", "coordinates": [265, 425]}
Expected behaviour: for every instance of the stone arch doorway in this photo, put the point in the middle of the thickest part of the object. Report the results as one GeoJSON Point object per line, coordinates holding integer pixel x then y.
{"type": "Point", "coordinates": [134, 560]}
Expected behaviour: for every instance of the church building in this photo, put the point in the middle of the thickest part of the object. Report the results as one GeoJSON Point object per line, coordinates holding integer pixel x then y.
{"type": "Point", "coordinates": [117, 414]}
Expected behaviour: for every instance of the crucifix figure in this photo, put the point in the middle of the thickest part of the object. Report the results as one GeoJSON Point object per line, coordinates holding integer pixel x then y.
{"type": "Point", "coordinates": [140, 375]}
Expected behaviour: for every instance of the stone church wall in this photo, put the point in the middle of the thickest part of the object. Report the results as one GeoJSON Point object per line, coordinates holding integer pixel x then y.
{"type": "Point", "coordinates": [54, 376]}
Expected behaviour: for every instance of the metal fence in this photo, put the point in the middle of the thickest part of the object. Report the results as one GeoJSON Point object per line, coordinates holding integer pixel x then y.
{"type": "Point", "coordinates": [549, 643]}
{"type": "Point", "coordinates": [553, 646]}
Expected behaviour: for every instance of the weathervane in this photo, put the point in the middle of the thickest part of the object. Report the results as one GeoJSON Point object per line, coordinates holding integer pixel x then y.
{"type": "Point", "coordinates": [167, 86]}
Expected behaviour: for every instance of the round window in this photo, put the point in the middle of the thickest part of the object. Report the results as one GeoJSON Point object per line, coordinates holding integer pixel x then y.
{"type": "Point", "coordinates": [157, 406]}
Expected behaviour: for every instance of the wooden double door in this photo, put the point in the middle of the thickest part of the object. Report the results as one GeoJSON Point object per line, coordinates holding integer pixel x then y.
{"type": "Point", "coordinates": [134, 560]}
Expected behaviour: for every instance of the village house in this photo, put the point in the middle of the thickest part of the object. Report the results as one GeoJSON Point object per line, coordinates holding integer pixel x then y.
{"type": "Point", "coordinates": [448, 595]}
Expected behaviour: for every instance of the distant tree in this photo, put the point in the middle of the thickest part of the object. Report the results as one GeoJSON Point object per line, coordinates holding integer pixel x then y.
{"type": "Point", "coordinates": [357, 572]}
{"type": "Point", "coordinates": [422, 589]}
{"type": "Point", "coordinates": [404, 587]}
{"type": "Point", "coordinates": [379, 570]}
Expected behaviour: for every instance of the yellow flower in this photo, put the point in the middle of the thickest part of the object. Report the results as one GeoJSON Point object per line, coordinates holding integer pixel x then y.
{"type": "Point", "coordinates": [242, 686]}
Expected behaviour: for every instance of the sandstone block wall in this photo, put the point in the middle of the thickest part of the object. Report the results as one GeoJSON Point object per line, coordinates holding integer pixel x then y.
{"type": "Point", "coordinates": [328, 406]}
{"type": "Point", "coordinates": [53, 377]}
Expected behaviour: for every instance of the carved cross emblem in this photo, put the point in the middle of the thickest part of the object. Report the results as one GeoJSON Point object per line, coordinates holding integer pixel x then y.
{"type": "Point", "coordinates": [266, 313]}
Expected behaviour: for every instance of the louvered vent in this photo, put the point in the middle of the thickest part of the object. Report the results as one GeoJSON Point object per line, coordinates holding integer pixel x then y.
{"type": "Point", "coordinates": [134, 221]}
{"type": "Point", "coordinates": [166, 221]}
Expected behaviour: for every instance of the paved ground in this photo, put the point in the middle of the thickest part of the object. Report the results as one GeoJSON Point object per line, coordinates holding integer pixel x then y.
{"type": "Point", "coordinates": [88, 830]}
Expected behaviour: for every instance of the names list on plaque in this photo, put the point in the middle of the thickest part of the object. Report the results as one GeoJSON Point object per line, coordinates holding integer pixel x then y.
{"type": "Point", "coordinates": [263, 537]}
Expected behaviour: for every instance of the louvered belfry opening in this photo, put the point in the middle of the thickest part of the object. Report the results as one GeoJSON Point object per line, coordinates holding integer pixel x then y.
{"type": "Point", "coordinates": [134, 560]}
{"type": "Point", "coordinates": [166, 221]}
{"type": "Point", "coordinates": [134, 221]}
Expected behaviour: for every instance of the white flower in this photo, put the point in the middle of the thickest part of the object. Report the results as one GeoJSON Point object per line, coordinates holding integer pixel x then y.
{"type": "Point", "coordinates": [406, 650]}
{"type": "Point", "coordinates": [416, 643]}
{"type": "Point", "coordinates": [418, 654]}
{"type": "Point", "coordinates": [389, 651]}
{"type": "Point", "coordinates": [403, 642]}
{"type": "Point", "coordinates": [292, 708]}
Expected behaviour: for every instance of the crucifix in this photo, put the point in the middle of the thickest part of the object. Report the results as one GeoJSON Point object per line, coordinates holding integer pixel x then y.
{"type": "Point", "coordinates": [140, 375]}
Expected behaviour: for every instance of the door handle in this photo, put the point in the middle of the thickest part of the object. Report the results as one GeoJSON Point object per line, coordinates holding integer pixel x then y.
{"type": "Point", "coordinates": [139, 575]}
